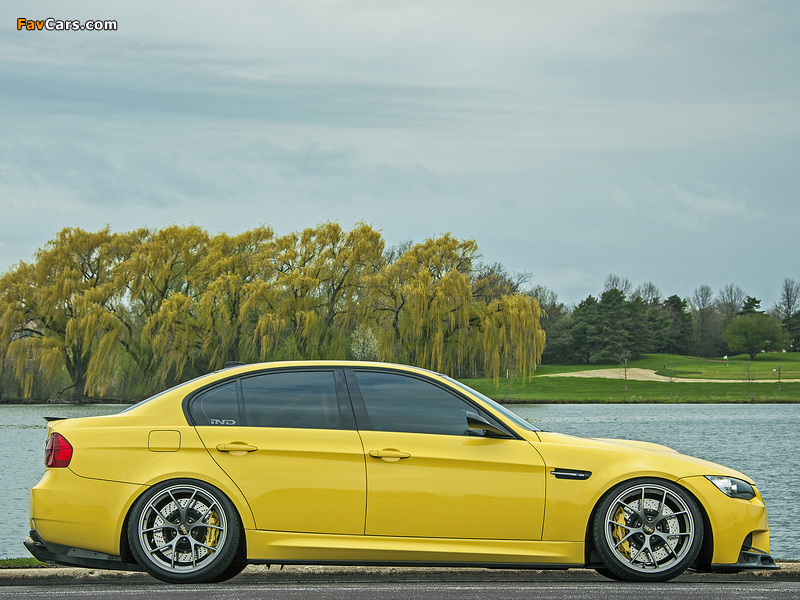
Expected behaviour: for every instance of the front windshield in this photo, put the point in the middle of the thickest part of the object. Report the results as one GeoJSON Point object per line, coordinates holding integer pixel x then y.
{"type": "Point", "coordinates": [498, 407]}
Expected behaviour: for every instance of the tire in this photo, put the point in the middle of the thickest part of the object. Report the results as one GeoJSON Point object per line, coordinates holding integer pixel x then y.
{"type": "Point", "coordinates": [647, 530]}
{"type": "Point", "coordinates": [186, 531]}
{"type": "Point", "coordinates": [236, 567]}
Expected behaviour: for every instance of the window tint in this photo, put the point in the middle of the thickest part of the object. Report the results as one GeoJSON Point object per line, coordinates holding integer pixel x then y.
{"type": "Point", "coordinates": [219, 406]}
{"type": "Point", "coordinates": [399, 403]}
{"type": "Point", "coordinates": [498, 407]}
{"type": "Point", "coordinates": [302, 399]}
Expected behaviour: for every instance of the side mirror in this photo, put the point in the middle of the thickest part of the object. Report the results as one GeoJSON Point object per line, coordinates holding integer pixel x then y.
{"type": "Point", "coordinates": [475, 421]}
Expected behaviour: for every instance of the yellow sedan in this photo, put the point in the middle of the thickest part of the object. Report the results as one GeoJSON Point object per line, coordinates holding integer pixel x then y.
{"type": "Point", "coordinates": [353, 463]}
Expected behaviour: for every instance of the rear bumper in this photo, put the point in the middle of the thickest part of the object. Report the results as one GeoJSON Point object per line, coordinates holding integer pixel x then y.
{"type": "Point", "coordinates": [68, 555]}
{"type": "Point", "coordinates": [73, 511]}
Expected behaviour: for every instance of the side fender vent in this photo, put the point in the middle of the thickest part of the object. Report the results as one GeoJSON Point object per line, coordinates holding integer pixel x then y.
{"type": "Point", "coordinates": [571, 474]}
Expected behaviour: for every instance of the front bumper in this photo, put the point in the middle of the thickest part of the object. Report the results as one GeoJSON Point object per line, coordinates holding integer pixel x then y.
{"type": "Point", "coordinates": [68, 555]}
{"type": "Point", "coordinates": [748, 559]}
{"type": "Point", "coordinates": [739, 528]}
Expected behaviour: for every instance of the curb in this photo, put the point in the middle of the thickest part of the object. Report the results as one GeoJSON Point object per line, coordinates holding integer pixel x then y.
{"type": "Point", "coordinates": [325, 574]}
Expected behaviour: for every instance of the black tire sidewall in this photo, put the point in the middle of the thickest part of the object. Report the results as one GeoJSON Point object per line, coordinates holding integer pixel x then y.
{"type": "Point", "coordinates": [210, 573]}
{"type": "Point", "coordinates": [612, 563]}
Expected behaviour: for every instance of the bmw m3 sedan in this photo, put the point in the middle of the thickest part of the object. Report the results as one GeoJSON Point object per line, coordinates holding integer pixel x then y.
{"type": "Point", "coordinates": [354, 463]}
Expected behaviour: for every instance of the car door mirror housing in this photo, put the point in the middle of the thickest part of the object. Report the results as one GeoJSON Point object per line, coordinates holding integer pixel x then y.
{"type": "Point", "coordinates": [477, 422]}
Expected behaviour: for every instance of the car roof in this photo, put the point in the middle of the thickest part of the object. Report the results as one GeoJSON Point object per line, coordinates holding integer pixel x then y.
{"type": "Point", "coordinates": [245, 368]}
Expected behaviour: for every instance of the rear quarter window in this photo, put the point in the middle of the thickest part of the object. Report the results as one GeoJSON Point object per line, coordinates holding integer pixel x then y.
{"type": "Point", "coordinates": [217, 406]}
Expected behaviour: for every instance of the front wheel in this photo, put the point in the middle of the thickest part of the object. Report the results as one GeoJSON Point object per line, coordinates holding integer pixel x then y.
{"type": "Point", "coordinates": [648, 530]}
{"type": "Point", "coordinates": [185, 531]}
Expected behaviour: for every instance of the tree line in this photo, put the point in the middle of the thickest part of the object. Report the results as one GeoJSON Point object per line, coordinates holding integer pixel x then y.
{"type": "Point", "coordinates": [625, 322]}
{"type": "Point", "coordinates": [105, 314]}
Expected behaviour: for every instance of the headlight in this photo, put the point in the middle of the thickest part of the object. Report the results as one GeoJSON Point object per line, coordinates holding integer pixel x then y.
{"type": "Point", "coordinates": [735, 488]}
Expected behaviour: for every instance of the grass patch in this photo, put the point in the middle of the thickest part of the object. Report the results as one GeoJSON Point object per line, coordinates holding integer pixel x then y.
{"type": "Point", "coordinates": [764, 366]}
{"type": "Point", "coordinates": [22, 563]}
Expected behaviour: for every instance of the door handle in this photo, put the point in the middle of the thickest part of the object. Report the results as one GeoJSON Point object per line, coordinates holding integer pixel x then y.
{"type": "Point", "coordinates": [236, 448]}
{"type": "Point", "coordinates": [390, 455]}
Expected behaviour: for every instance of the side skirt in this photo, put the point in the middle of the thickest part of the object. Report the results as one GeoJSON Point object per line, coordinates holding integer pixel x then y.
{"type": "Point", "coordinates": [308, 548]}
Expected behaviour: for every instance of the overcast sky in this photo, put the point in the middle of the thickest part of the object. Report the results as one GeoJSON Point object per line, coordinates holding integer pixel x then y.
{"type": "Point", "coordinates": [655, 140]}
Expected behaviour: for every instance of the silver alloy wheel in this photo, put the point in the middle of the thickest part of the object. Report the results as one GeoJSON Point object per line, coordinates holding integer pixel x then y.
{"type": "Point", "coordinates": [649, 528]}
{"type": "Point", "coordinates": [182, 528]}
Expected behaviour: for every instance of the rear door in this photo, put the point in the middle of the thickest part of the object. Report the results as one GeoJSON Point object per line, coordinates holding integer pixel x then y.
{"type": "Point", "coordinates": [288, 440]}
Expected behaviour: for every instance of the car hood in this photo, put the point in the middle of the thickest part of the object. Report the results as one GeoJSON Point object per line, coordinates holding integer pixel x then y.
{"type": "Point", "coordinates": [649, 446]}
{"type": "Point", "coordinates": [680, 465]}
{"type": "Point", "coordinates": [605, 443]}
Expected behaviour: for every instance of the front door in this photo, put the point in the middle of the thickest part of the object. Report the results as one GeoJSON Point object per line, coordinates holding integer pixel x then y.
{"type": "Point", "coordinates": [429, 476]}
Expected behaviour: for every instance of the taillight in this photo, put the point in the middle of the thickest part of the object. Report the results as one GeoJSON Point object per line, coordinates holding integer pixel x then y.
{"type": "Point", "coordinates": [58, 451]}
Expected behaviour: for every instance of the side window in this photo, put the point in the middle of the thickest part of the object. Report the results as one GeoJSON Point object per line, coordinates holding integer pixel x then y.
{"type": "Point", "coordinates": [219, 406]}
{"type": "Point", "coordinates": [301, 399]}
{"type": "Point", "coordinates": [399, 403]}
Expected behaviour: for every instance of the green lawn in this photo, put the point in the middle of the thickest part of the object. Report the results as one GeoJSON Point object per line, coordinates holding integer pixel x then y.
{"type": "Point", "coordinates": [763, 367]}
{"type": "Point", "coordinates": [21, 563]}
{"type": "Point", "coordinates": [685, 368]}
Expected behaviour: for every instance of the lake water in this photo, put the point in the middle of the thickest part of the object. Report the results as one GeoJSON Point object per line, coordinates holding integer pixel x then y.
{"type": "Point", "coordinates": [759, 440]}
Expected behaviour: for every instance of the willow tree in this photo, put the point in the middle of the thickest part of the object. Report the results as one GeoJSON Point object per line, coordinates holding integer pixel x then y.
{"type": "Point", "coordinates": [227, 276]}
{"type": "Point", "coordinates": [512, 335]}
{"type": "Point", "coordinates": [311, 302]}
{"type": "Point", "coordinates": [16, 287]}
{"type": "Point", "coordinates": [157, 265]}
{"type": "Point", "coordinates": [422, 303]}
{"type": "Point", "coordinates": [60, 311]}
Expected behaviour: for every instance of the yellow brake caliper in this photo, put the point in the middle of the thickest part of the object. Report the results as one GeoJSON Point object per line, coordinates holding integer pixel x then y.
{"type": "Point", "coordinates": [212, 535]}
{"type": "Point", "coordinates": [619, 533]}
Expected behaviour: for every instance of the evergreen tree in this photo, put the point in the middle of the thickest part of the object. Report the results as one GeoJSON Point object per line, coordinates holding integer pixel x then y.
{"type": "Point", "coordinates": [614, 325]}
{"type": "Point", "coordinates": [792, 329]}
{"type": "Point", "coordinates": [681, 329]}
{"type": "Point", "coordinates": [585, 330]}
{"type": "Point", "coordinates": [752, 305]}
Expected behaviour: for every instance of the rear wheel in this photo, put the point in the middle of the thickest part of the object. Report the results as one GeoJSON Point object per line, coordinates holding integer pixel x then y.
{"type": "Point", "coordinates": [236, 567]}
{"type": "Point", "coordinates": [185, 531]}
{"type": "Point", "coordinates": [647, 530]}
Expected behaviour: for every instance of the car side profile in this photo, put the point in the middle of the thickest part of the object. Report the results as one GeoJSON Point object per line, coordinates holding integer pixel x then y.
{"type": "Point", "coordinates": [356, 463]}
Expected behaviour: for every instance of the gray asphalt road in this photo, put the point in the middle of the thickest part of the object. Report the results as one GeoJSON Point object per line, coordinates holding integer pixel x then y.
{"type": "Point", "coordinates": [243, 590]}
{"type": "Point", "coordinates": [389, 583]}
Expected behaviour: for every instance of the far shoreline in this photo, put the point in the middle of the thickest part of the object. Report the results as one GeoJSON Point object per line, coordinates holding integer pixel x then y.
{"type": "Point", "coordinates": [655, 379]}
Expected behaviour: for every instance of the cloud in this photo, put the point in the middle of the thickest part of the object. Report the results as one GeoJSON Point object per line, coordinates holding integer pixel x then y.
{"type": "Point", "coordinates": [704, 210]}
{"type": "Point", "coordinates": [568, 138]}
{"type": "Point", "coordinates": [671, 206]}
{"type": "Point", "coordinates": [711, 205]}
